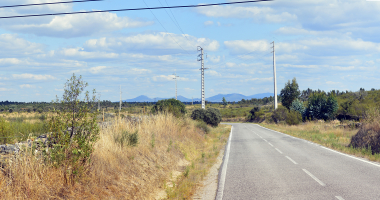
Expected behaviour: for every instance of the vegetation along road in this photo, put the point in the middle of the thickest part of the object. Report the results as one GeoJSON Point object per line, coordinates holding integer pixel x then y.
{"type": "Point", "coordinates": [264, 164]}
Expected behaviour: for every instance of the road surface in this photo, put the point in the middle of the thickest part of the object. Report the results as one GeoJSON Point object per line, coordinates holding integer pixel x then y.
{"type": "Point", "coordinates": [263, 164]}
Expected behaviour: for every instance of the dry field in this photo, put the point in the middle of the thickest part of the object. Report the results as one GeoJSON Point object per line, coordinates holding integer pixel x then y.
{"type": "Point", "coordinates": [172, 156]}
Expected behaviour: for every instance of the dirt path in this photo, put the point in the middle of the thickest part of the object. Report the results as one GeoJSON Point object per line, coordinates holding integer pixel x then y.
{"type": "Point", "coordinates": [209, 185]}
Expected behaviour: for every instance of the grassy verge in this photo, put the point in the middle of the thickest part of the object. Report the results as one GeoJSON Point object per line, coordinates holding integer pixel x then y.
{"type": "Point", "coordinates": [132, 160]}
{"type": "Point", "coordinates": [326, 134]}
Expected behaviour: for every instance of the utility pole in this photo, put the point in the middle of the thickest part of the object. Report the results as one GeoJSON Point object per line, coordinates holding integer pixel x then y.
{"type": "Point", "coordinates": [99, 101]}
{"type": "Point", "coordinates": [120, 100]}
{"type": "Point", "coordinates": [200, 58]}
{"type": "Point", "coordinates": [175, 78]}
{"type": "Point", "coordinates": [274, 77]}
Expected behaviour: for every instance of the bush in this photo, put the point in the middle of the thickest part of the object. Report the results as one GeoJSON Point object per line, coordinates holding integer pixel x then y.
{"type": "Point", "coordinates": [198, 114]}
{"type": "Point", "coordinates": [126, 138]}
{"type": "Point", "coordinates": [203, 126]}
{"type": "Point", "coordinates": [368, 135]}
{"type": "Point", "coordinates": [280, 114]}
{"type": "Point", "coordinates": [176, 107]}
{"type": "Point", "coordinates": [212, 116]}
{"type": "Point", "coordinates": [293, 118]}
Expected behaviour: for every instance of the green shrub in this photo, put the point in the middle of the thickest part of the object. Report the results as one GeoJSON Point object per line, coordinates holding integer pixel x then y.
{"type": "Point", "coordinates": [280, 114]}
{"type": "Point", "coordinates": [212, 116]}
{"type": "Point", "coordinates": [126, 138]}
{"type": "Point", "coordinates": [203, 126]}
{"type": "Point", "coordinates": [198, 114]}
{"type": "Point", "coordinates": [176, 107]}
{"type": "Point", "coordinates": [74, 130]}
{"type": "Point", "coordinates": [321, 107]}
{"type": "Point", "coordinates": [293, 118]}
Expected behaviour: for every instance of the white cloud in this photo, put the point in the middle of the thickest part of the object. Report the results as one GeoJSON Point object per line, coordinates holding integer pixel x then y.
{"type": "Point", "coordinates": [161, 78]}
{"type": "Point", "coordinates": [27, 86]}
{"type": "Point", "coordinates": [12, 45]}
{"type": "Point", "coordinates": [82, 54]}
{"type": "Point", "coordinates": [139, 71]}
{"type": "Point", "coordinates": [96, 70]}
{"type": "Point", "coordinates": [32, 76]}
{"type": "Point", "coordinates": [260, 79]}
{"type": "Point", "coordinates": [214, 59]}
{"type": "Point", "coordinates": [242, 46]}
{"type": "Point", "coordinates": [67, 26]}
{"type": "Point", "coordinates": [265, 14]}
{"type": "Point", "coordinates": [331, 83]}
{"type": "Point", "coordinates": [4, 89]}
{"type": "Point", "coordinates": [213, 73]}
{"type": "Point", "coordinates": [158, 43]}
{"type": "Point", "coordinates": [208, 23]}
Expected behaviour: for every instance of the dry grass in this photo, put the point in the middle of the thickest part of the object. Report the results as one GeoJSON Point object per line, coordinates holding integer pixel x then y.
{"type": "Point", "coordinates": [124, 172]}
{"type": "Point", "coordinates": [327, 134]}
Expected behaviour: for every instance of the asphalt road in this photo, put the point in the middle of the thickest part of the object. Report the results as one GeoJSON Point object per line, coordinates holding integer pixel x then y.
{"type": "Point", "coordinates": [264, 164]}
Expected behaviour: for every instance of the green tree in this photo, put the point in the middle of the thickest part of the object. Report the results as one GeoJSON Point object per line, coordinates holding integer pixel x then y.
{"type": "Point", "coordinates": [224, 101]}
{"type": "Point", "coordinates": [298, 106]}
{"type": "Point", "coordinates": [289, 93]}
{"type": "Point", "coordinates": [176, 107]}
{"type": "Point", "coordinates": [73, 129]}
{"type": "Point", "coordinates": [321, 107]}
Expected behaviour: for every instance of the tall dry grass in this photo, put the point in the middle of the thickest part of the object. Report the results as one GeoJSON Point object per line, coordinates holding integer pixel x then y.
{"type": "Point", "coordinates": [116, 172]}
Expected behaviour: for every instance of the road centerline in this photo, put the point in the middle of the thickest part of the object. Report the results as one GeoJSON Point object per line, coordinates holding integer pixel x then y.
{"type": "Point", "coordinates": [339, 197]}
{"type": "Point", "coordinates": [278, 151]}
{"type": "Point", "coordinates": [291, 160]}
{"type": "Point", "coordinates": [270, 144]}
{"type": "Point", "coordinates": [315, 178]}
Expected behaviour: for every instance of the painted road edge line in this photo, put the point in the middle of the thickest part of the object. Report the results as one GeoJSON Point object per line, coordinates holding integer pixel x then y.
{"type": "Point", "coordinates": [356, 158]}
{"type": "Point", "coordinates": [315, 178]}
{"type": "Point", "coordinates": [339, 197]}
{"type": "Point", "coordinates": [291, 160]}
{"type": "Point", "coordinates": [222, 180]}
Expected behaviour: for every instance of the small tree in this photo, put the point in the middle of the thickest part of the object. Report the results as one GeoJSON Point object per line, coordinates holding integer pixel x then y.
{"type": "Point", "coordinates": [224, 101]}
{"type": "Point", "coordinates": [74, 129]}
{"type": "Point", "coordinates": [198, 114]}
{"type": "Point", "coordinates": [289, 93]}
{"type": "Point", "coordinates": [321, 107]}
{"type": "Point", "coordinates": [212, 116]}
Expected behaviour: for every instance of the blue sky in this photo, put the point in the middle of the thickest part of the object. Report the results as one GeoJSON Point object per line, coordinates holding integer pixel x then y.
{"type": "Point", "coordinates": [325, 44]}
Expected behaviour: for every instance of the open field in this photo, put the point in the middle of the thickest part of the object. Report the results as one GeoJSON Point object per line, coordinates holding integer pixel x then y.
{"type": "Point", "coordinates": [171, 157]}
{"type": "Point", "coordinates": [327, 134]}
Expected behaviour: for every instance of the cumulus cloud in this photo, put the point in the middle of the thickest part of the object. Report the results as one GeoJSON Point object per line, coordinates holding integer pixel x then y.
{"type": "Point", "coordinates": [208, 23]}
{"type": "Point", "coordinates": [96, 70]}
{"type": "Point", "coordinates": [79, 25]}
{"type": "Point", "coordinates": [155, 43]}
{"type": "Point", "coordinates": [12, 45]}
{"type": "Point", "coordinates": [33, 76]}
{"type": "Point", "coordinates": [263, 14]}
{"type": "Point", "coordinates": [26, 86]}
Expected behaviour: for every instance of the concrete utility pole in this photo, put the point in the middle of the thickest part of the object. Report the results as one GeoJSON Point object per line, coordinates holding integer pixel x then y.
{"type": "Point", "coordinates": [175, 78]}
{"type": "Point", "coordinates": [120, 100]}
{"type": "Point", "coordinates": [99, 101]}
{"type": "Point", "coordinates": [200, 58]}
{"type": "Point", "coordinates": [274, 77]}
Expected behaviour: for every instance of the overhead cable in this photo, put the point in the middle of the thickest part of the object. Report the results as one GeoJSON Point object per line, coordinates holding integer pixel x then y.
{"type": "Point", "coordinates": [133, 9]}
{"type": "Point", "coordinates": [41, 4]}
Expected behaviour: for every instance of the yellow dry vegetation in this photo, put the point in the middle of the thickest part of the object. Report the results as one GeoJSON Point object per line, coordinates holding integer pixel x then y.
{"type": "Point", "coordinates": [125, 172]}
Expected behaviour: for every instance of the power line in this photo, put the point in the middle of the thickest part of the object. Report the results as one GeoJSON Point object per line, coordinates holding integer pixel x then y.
{"type": "Point", "coordinates": [165, 29]}
{"type": "Point", "coordinates": [132, 9]}
{"type": "Point", "coordinates": [40, 4]}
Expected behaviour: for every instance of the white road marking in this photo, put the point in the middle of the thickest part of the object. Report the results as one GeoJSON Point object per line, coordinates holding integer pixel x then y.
{"type": "Point", "coordinates": [291, 160]}
{"type": "Point", "coordinates": [372, 163]}
{"type": "Point", "coordinates": [219, 194]}
{"type": "Point", "coordinates": [278, 151]}
{"type": "Point", "coordinates": [315, 178]}
{"type": "Point", "coordinates": [339, 197]}
{"type": "Point", "coordinates": [270, 144]}
{"type": "Point", "coordinates": [265, 140]}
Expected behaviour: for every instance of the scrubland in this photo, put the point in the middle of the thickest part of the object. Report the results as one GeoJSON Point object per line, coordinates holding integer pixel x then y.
{"type": "Point", "coordinates": [170, 157]}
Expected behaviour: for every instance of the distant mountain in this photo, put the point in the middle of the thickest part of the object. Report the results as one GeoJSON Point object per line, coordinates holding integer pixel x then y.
{"type": "Point", "coordinates": [217, 98]}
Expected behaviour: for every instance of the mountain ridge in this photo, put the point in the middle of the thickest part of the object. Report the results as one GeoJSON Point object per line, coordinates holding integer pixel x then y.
{"type": "Point", "coordinates": [216, 98]}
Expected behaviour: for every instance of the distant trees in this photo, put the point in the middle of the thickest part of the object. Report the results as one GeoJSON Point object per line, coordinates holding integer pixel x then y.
{"type": "Point", "coordinates": [289, 93]}
{"type": "Point", "coordinates": [321, 107]}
